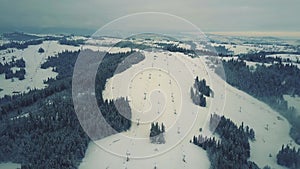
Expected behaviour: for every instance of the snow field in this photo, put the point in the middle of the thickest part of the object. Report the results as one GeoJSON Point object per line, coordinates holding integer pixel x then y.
{"type": "Point", "coordinates": [161, 76]}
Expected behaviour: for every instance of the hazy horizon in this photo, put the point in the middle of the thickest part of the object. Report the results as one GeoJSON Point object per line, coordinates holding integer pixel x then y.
{"type": "Point", "coordinates": [210, 16]}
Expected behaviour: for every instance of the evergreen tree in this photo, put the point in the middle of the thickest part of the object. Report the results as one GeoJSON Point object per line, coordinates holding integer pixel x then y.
{"type": "Point", "coordinates": [41, 50]}
{"type": "Point", "coordinates": [157, 133]}
{"type": "Point", "coordinates": [289, 157]}
{"type": "Point", "coordinates": [56, 126]}
{"type": "Point", "coordinates": [162, 128]}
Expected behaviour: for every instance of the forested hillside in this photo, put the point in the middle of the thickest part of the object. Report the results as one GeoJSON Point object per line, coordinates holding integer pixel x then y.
{"type": "Point", "coordinates": [232, 151]}
{"type": "Point", "coordinates": [40, 129]}
{"type": "Point", "coordinates": [268, 84]}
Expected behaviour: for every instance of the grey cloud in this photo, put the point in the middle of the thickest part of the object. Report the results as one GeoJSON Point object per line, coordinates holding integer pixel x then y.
{"type": "Point", "coordinates": [209, 15]}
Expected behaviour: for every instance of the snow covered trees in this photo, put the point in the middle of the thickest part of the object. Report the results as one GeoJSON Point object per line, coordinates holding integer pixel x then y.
{"type": "Point", "coordinates": [20, 63]}
{"type": "Point", "coordinates": [233, 150]}
{"type": "Point", "coordinates": [267, 83]}
{"type": "Point", "coordinates": [157, 133]}
{"type": "Point", "coordinates": [117, 114]}
{"type": "Point", "coordinates": [51, 136]}
{"type": "Point", "coordinates": [41, 50]}
{"type": "Point", "coordinates": [201, 90]}
{"type": "Point", "coordinates": [289, 157]}
{"type": "Point", "coordinates": [7, 69]}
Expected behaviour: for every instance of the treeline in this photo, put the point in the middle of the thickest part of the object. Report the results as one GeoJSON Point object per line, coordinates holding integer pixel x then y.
{"type": "Point", "coordinates": [264, 81]}
{"type": "Point", "coordinates": [22, 40]}
{"type": "Point", "coordinates": [65, 63]}
{"type": "Point", "coordinates": [129, 44]}
{"type": "Point", "coordinates": [65, 41]}
{"type": "Point", "coordinates": [6, 69]}
{"type": "Point", "coordinates": [20, 36]}
{"type": "Point", "coordinates": [20, 63]}
{"type": "Point", "coordinates": [10, 104]}
{"type": "Point", "coordinates": [20, 45]}
{"type": "Point", "coordinates": [262, 57]}
{"type": "Point", "coordinates": [50, 135]}
{"type": "Point", "coordinates": [107, 69]}
{"type": "Point", "coordinates": [199, 91]}
{"type": "Point", "coordinates": [176, 48]}
{"type": "Point", "coordinates": [233, 150]}
{"type": "Point", "coordinates": [268, 84]}
{"type": "Point", "coordinates": [117, 114]}
{"type": "Point", "coordinates": [289, 157]}
{"type": "Point", "coordinates": [164, 46]}
{"type": "Point", "coordinates": [62, 64]}
{"type": "Point", "coordinates": [222, 50]}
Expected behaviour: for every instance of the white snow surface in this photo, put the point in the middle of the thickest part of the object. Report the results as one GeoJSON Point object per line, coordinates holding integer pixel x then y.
{"type": "Point", "coordinates": [9, 166]}
{"type": "Point", "coordinates": [292, 57]}
{"type": "Point", "coordinates": [168, 101]}
{"type": "Point", "coordinates": [271, 129]}
{"type": "Point", "coordinates": [164, 78]}
{"type": "Point", "coordinates": [35, 76]}
{"type": "Point", "coordinates": [254, 48]}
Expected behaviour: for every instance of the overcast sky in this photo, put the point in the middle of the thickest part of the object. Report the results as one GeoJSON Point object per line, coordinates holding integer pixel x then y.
{"type": "Point", "coordinates": [208, 15]}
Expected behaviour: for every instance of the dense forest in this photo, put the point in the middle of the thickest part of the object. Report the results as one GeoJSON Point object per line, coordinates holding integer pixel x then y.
{"type": "Point", "coordinates": [268, 84]}
{"type": "Point", "coordinates": [63, 63]}
{"type": "Point", "coordinates": [49, 137]}
{"type": "Point", "coordinates": [289, 157]}
{"type": "Point", "coordinates": [40, 129]}
{"type": "Point", "coordinates": [233, 150]}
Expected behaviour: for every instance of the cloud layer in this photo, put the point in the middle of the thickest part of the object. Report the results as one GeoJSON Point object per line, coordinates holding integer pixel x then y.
{"type": "Point", "coordinates": [209, 15]}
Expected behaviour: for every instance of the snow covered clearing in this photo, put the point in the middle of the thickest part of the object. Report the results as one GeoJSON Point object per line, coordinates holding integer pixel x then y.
{"type": "Point", "coordinates": [271, 129]}
{"type": "Point", "coordinates": [158, 90]}
{"type": "Point", "coordinates": [9, 166]}
{"type": "Point", "coordinates": [291, 57]}
{"type": "Point", "coordinates": [35, 76]}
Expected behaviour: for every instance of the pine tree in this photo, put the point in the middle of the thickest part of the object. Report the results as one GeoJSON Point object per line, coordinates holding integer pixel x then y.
{"type": "Point", "coordinates": [251, 134]}
{"type": "Point", "coordinates": [162, 128]}
{"type": "Point", "coordinates": [157, 133]}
